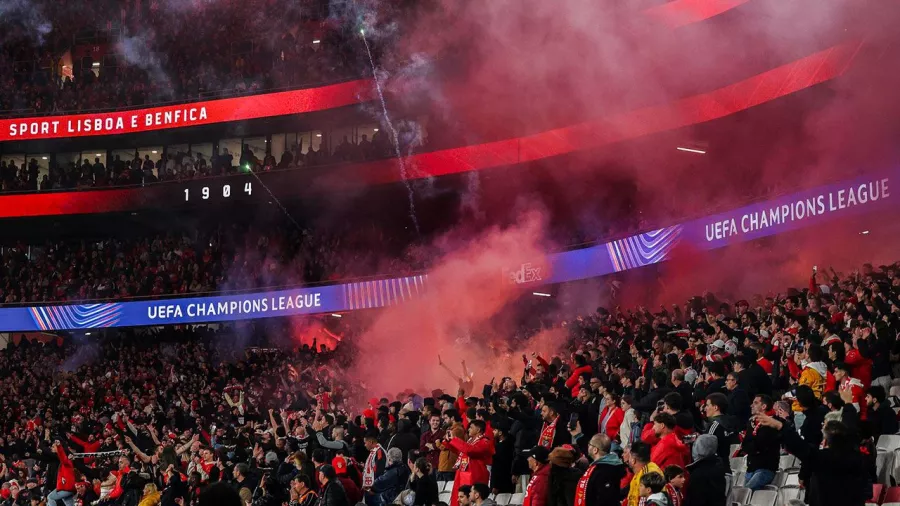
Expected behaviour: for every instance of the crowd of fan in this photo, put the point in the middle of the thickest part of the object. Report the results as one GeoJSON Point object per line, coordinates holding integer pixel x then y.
{"type": "Point", "coordinates": [232, 258]}
{"type": "Point", "coordinates": [642, 409]}
{"type": "Point", "coordinates": [165, 53]}
{"type": "Point", "coordinates": [179, 166]}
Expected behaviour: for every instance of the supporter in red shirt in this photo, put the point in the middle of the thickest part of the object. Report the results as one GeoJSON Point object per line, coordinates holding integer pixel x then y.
{"type": "Point", "coordinates": [65, 477]}
{"type": "Point", "coordinates": [669, 451]}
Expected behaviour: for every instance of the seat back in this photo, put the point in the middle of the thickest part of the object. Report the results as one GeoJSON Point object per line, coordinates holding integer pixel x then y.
{"type": "Point", "coordinates": [739, 495]}
{"type": "Point", "coordinates": [764, 498]}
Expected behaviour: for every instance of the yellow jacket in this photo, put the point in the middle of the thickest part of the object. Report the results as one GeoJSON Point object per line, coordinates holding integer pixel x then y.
{"type": "Point", "coordinates": [813, 375]}
{"type": "Point", "coordinates": [151, 499]}
{"type": "Point", "coordinates": [634, 489]}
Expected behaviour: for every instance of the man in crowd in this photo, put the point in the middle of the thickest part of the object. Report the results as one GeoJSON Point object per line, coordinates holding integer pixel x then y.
{"type": "Point", "coordinates": [599, 485]}
{"type": "Point", "coordinates": [761, 445]}
{"type": "Point", "coordinates": [474, 456]}
{"type": "Point", "coordinates": [669, 450]}
{"type": "Point", "coordinates": [718, 424]}
{"type": "Point", "coordinates": [539, 485]}
{"type": "Point", "coordinates": [638, 459]}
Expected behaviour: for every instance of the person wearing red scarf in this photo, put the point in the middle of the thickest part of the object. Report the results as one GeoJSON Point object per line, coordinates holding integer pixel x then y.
{"type": "Point", "coordinates": [375, 462]}
{"type": "Point", "coordinates": [554, 432]}
{"type": "Point", "coordinates": [599, 485]}
{"type": "Point", "coordinates": [475, 455]}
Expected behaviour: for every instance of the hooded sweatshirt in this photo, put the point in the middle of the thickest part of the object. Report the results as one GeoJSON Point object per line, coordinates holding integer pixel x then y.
{"type": "Point", "coordinates": [657, 499]}
{"type": "Point", "coordinates": [813, 375]}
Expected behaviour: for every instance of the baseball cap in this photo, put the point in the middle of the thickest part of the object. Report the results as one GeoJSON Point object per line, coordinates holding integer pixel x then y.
{"type": "Point", "coordinates": [719, 344]}
{"type": "Point", "coordinates": [538, 453]}
{"type": "Point", "coordinates": [340, 465]}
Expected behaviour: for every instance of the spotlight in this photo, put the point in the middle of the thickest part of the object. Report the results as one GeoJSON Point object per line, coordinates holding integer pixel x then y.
{"type": "Point", "coordinates": [336, 315]}
{"type": "Point", "coordinates": [691, 150]}
{"type": "Point", "coordinates": [541, 294]}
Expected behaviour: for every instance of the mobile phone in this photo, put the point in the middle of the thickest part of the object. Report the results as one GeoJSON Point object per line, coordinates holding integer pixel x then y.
{"type": "Point", "coordinates": [573, 420]}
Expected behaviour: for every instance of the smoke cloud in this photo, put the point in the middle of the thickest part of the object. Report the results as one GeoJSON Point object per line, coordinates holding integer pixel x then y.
{"type": "Point", "coordinates": [453, 319]}
{"type": "Point", "coordinates": [27, 16]}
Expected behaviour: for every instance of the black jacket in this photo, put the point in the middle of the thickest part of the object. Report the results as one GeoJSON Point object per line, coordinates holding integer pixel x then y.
{"type": "Point", "coordinates": [603, 484]}
{"type": "Point", "coordinates": [563, 481]}
{"type": "Point", "coordinates": [648, 403]}
{"type": "Point", "coordinates": [502, 466]}
{"type": "Point", "coordinates": [175, 488]}
{"type": "Point", "coordinates": [707, 485]}
{"type": "Point", "coordinates": [391, 483]}
{"type": "Point", "coordinates": [723, 428]}
{"type": "Point", "coordinates": [762, 446]}
{"type": "Point", "coordinates": [333, 494]}
{"type": "Point", "coordinates": [837, 478]}
{"type": "Point", "coordinates": [882, 421]}
{"type": "Point", "coordinates": [739, 404]}
{"type": "Point", "coordinates": [755, 380]}
{"type": "Point", "coordinates": [426, 490]}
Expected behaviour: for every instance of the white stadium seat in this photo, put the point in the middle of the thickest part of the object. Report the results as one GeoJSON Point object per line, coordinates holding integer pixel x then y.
{"type": "Point", "coordinates": [764, 498]}
{"type": "Point", "coordinates": [739, 495]}
{"type": "Point", "coordinates": [888, 442]}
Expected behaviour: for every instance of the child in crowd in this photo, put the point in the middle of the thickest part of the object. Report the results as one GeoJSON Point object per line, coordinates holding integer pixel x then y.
{"type": "Point", "coordinates": [651, 490]}
{"type": "Point", "coordinates": [674, 484]}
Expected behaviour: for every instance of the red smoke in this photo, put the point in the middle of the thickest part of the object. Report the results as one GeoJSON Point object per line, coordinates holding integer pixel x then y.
{"type": "Point", "coordinates": [465, 290]}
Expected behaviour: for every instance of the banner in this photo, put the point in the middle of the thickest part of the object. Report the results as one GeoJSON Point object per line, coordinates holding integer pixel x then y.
{"type": "Point", "coordinates": [188, 114]}
{"type": "Point", "coordinates": [862, 195]}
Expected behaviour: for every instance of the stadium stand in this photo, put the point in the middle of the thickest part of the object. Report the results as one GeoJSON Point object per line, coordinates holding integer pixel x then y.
{"type": "Point", "coordinates": [182, 408]}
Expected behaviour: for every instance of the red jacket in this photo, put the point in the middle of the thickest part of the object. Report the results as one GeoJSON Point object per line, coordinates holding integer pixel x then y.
{"type": "Point", "coordinates": [572, 382]}
{"type": "Point", "coordinates": [670, 451]}
{"type": "Point", "coordinates": [65, 477]}
{"type": "Point", "coordinates": [88, 448]}
{"type": "Point", "coordinates": [614, 422]}
{"type": "Point", "coordinates": [477, 456]}
{"type": "Point", "coordinates": [862, 367]}
{"type": "Point", "coordinates": [538, 488]}
{"type": "Point", "coordinates": [354, 494]}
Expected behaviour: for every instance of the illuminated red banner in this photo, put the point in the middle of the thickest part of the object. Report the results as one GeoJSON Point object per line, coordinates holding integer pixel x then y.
{"type": "Point", "coordinates": [187, 115]}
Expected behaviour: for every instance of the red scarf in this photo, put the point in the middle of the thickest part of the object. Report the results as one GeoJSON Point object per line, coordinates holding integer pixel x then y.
{"type": "Point", "coordinates": [581, 488]}
{"type": "Point", "coordinates": [674, 495]}
{"type": "Point", "coordinates": [547, 433]}
{"type": "Point", "coordinates": [369, 469]}
{"type": "Point", "coordinates": [462, 461]}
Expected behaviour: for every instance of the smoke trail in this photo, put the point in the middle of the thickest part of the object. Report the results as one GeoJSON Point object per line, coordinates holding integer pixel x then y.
{"type": "Point", "coordinates": [394, 137]}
